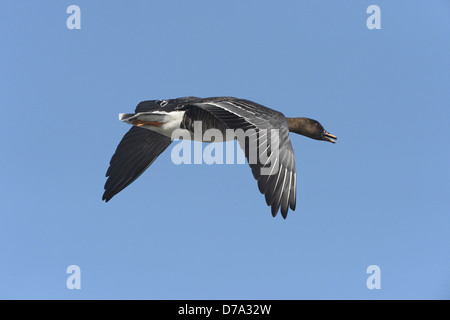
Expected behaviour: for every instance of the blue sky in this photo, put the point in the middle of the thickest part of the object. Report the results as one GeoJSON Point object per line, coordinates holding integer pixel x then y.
{"type": "Point", "coordinates": [379, 196]}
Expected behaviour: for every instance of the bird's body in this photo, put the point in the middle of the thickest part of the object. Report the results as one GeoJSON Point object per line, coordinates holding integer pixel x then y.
{"type": "Point", "coordinates": [155, 122]}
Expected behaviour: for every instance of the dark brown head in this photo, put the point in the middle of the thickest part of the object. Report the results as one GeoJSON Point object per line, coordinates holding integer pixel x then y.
{"type": "Point", "coordinates": [310, 128]}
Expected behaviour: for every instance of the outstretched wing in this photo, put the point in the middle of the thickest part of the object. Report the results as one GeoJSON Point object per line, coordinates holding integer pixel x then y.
{"type": "Point", "coordinates": [135, 153]}
{"type": "Point", "coordinates": [276, 176]}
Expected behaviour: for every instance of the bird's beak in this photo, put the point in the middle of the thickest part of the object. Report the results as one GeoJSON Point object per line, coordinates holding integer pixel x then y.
{"type": "Point", "coordinates": [329, 137]}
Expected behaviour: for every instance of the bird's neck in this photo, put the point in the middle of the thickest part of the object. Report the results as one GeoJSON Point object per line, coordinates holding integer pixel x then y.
{"type": "Point", "coordinates": [296, 125]}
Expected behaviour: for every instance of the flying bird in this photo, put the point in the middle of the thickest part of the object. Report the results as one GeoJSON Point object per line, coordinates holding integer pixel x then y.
{"type": "Point", "coordinates": [154, 121]}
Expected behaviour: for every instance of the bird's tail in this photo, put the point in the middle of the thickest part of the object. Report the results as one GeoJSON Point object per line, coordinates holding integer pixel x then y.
{"type": "Point", "coordinates": [144, 118]}
{"type": "Point", "coordinates": [126, 116]}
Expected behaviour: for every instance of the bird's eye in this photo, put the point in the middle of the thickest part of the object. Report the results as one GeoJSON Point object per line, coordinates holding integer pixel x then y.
{"type": "Point", "coordinates": [163, 103]}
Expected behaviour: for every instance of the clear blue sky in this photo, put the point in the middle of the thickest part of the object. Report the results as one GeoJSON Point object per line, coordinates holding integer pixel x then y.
{"type": "Point", "coordinates": [379, 196]}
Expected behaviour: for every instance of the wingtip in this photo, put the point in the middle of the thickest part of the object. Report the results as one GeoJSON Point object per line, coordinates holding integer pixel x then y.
{"type": "Point", "coordinates": [274, 211]}
{"type": "Point", "coordinates": [106, 197]}
{"type": "Point", "coordinates": [292, 206]}
{"type": "Point", "coordinates": [284, 212]}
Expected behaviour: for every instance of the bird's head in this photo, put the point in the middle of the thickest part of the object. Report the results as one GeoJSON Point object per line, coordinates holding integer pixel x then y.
{"type": "Point", "coordinates": [310, 128]}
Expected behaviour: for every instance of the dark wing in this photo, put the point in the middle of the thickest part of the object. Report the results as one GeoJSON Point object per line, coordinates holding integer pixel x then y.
{"type": "Point", "coordinates": [135, 153]}
{"type": "Point", "coordinates": [278, 186]}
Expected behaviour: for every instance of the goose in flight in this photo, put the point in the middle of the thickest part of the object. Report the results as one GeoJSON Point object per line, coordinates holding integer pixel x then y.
{"type": "Point", "coordinates": [155, 121]}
